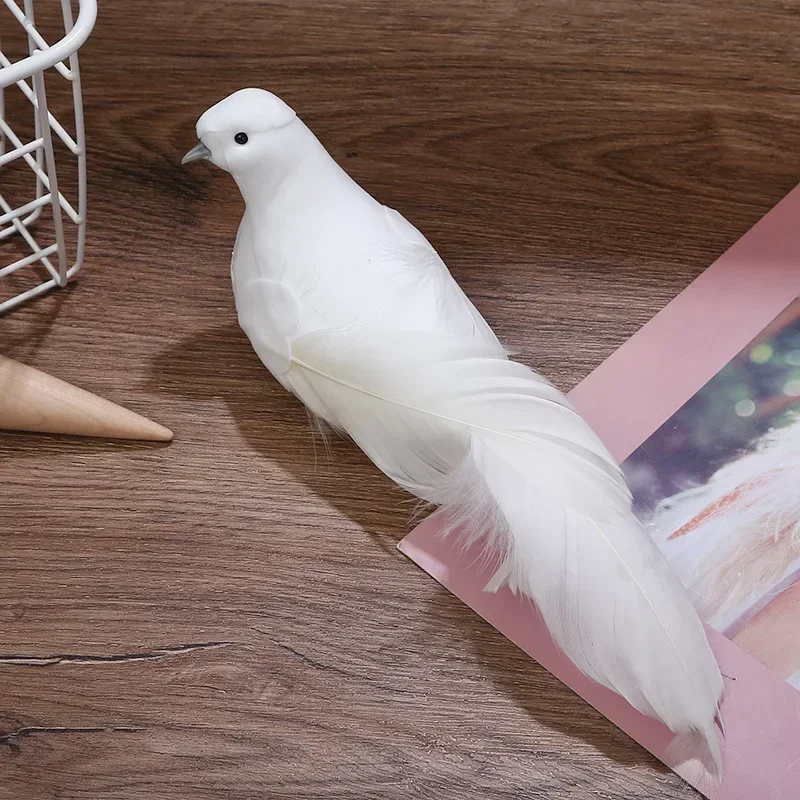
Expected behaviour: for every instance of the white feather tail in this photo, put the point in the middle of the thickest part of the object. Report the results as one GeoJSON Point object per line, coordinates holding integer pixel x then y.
{"type": "Point", "coordinates": [509, 459]}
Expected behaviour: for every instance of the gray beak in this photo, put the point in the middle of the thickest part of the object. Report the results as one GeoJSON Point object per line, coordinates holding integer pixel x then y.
{"type": "Point", "coordinates": [198, 153]}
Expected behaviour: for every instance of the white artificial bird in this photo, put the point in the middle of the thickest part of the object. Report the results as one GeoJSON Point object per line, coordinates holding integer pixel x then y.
{"type": "Point", "coordinates": [351, 309]}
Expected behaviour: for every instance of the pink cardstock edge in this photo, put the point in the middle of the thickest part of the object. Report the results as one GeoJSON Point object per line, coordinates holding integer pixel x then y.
{"type": "Point", "coordinates": [626, 399]}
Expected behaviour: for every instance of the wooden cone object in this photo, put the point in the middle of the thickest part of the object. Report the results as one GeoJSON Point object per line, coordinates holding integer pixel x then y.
{"type": "Point", "coordinates": [31, 400]}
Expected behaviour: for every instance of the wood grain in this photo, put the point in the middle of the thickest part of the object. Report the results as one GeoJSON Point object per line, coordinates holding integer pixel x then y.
{"type": "Point", "coordinates": [226, 616]}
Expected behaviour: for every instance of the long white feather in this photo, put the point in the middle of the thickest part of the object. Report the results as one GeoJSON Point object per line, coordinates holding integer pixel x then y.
{"type": "Point", "coordinates": [350, 307]}
{"type": "Point", "coordinates": [504, 454]}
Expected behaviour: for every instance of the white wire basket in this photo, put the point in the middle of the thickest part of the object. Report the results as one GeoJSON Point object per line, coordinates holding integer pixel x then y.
{"type": "Point", "coordinates": [32, 140]}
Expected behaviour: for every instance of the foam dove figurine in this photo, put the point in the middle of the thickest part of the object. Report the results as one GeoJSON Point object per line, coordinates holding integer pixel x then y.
{"type": "Point", "coordinates": [353, 311]}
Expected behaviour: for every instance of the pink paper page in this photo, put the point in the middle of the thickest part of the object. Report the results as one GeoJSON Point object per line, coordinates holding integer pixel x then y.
{"type": "Point", "coordinates": [626, 400]}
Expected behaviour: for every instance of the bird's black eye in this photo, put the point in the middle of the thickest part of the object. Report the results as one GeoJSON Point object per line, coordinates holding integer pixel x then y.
{"type": "Point", "coordinates": [240, 138]}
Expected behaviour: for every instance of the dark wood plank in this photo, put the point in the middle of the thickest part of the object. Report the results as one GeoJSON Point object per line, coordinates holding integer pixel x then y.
{"type": "Point", "coordinates": [226, 616]}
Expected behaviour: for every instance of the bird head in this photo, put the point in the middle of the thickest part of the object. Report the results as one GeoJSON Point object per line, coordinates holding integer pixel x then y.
{"type": "Point", "coordinates": [246, 129]}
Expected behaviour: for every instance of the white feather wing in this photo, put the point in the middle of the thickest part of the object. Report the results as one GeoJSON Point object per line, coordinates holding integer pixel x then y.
{"type": "Point", "coordinates": [507, 456]}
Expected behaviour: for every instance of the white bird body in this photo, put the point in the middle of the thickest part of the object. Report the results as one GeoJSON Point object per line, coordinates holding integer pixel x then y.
{"type": "Point", "coordinates": [351, 309]}
{"type": "Point", "coordinates": [368, 250]}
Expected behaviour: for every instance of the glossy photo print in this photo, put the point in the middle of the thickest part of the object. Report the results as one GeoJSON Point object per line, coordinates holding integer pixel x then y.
{"type": "Point", "coordinates": [718, 486]}
{"type": "Point", "coordinates": [701, 406]}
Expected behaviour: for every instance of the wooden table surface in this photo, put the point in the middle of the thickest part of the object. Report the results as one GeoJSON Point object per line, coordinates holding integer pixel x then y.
{"type": "Point", "coordinates": [227, 616]}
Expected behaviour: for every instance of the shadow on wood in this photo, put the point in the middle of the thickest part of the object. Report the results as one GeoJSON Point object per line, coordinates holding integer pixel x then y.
{"type": "Point", "coordinates": [220, 363]}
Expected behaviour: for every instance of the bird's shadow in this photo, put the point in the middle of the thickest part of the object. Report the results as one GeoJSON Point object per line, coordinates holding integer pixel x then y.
{"type": "Point", "coordinates": [219, 363]}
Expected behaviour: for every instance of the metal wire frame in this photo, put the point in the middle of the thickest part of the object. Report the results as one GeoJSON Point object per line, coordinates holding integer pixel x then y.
{"type": "Point", "coordinates": [38, 154]}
